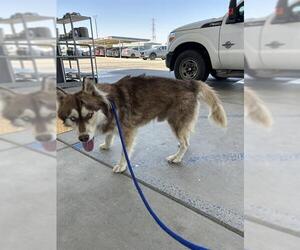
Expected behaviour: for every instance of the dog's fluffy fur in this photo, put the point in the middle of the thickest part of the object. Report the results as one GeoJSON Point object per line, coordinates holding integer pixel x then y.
{"type": "Point", "coordinates": [256, 109]}
{"type": "Point", "coordinates": [139, 100]}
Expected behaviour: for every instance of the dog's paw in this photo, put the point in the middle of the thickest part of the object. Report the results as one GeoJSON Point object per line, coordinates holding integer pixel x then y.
{"type": "Point", "coordinates": [104, 146]}
{"type": "Point", "coordinates": [173, 159]}
{"type": "Point", "coordinates": [119, 168]}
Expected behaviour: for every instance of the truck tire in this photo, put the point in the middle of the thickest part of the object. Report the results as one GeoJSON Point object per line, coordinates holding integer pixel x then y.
{"type": "Point", "coordinates": [214, 75]}
{"type": "Point", "coordinates": [152, 56]}
{"type": "Point", "coordinates": [191, 65]}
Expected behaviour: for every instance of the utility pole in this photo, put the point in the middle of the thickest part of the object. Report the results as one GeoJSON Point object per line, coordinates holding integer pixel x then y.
{"type": "Point", "coordinates": [96, 26]}
{"type": "Point", "coordinates": [153, 30]}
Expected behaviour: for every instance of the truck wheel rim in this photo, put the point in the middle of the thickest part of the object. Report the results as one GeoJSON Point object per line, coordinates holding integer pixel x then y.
{"type": "Point", "coordinates": [188, 69]}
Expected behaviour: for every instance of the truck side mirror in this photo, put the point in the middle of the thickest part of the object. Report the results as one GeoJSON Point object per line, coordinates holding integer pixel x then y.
{"type": "Point", "coordinates": [232, 15]}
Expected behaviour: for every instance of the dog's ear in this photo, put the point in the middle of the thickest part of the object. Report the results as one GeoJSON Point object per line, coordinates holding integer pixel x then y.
{"type": "Point", "coordinates": [60, 95]}
{"type": "Point", "coordinates": [88, 85]}
{"type": "Point", "coordinates": [48, 84]}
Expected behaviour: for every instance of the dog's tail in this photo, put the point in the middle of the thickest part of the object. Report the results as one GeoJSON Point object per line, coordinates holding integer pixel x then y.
{"type": "Point", "coordinates": [210, 97]}
{"type": "Point", "coordinates": [256, 109]}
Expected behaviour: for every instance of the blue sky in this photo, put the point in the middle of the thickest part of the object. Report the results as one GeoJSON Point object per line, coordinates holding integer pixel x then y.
{"type": "Point", "coordinates": [43, 7]}
{"type": "Point", "coordinates": [133, 17]}
{"type": "Point", "coordinates": [259, 8]}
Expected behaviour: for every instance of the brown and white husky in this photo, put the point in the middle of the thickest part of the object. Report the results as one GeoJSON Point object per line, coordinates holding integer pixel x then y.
{"type": "Point", "coordinates": [138, 100]}
{"type": "Point", "coordinates": [35, 110]}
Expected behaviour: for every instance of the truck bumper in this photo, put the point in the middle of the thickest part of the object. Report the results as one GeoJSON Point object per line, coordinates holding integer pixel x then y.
{"type": "Point", "coordinates": [169, 58]}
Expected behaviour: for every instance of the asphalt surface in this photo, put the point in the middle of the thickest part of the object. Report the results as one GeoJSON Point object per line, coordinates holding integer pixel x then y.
{"type": "Point", "coordinates": [209, 181]}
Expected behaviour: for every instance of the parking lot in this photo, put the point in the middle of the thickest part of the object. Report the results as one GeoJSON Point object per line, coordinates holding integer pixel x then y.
{"type": "Point", "coordinates": [202, 198]}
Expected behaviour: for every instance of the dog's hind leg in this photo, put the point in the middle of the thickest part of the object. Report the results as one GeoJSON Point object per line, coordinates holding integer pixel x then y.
{"type": "Point", "coordinates": [129, 135]}
{"type": "Point", "coordinates": [109, 139]}
{"type": "Point", "coordinates": [183, 134]}
{"type": "Point", "coordinates": [182, 128]}
{"type": "Point", "coordinates": [183, 146]}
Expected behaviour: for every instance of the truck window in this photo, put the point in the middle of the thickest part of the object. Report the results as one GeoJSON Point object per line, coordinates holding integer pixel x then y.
{"type": "Point", "coordinates": [240, 11]}
{"type": "Point", "coordinates": [239, 18]}
{"type": "Point", "coordinates": [295, 12]}
{"type": "Point", "coordinates": [290, 14]}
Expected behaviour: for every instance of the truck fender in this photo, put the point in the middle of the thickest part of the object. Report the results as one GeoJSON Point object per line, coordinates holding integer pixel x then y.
{"type": "Point", "coordinates": [209, 42]}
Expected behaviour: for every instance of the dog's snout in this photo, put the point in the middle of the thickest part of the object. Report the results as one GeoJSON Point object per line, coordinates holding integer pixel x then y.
{"type": "Point", "coordinates": [83, 138]}
{"type": "Point", "coordinates": [43, 138]}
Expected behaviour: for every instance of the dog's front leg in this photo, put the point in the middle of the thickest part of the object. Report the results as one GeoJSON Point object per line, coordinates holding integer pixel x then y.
{"type": "Point", "coordinates": [109, 140]}
{"type": "Point", "coordinates": [129, 135]}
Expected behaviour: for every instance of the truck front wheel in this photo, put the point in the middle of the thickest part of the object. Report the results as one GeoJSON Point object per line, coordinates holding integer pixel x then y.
{"type": "Point", "coordinates": [191, 65]}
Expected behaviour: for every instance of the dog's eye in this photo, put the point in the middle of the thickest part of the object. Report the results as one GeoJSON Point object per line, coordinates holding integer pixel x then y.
{"type": "Point", "coordinates": [90, 115]}
{"type": "Point", "coordinates": [73, 118]}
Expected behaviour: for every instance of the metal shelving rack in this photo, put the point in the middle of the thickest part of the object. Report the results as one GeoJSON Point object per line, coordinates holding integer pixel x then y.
{"type": "Point", "coordinates": [26, 41]}
{"type": "Point", "coordinates": [71, 79]}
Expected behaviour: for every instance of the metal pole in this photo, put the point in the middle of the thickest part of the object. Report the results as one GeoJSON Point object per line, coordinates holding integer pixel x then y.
{"type": "Point", "coordinates": [94, 52]}
{"type": "Point", "coordinates": [66, 37]}
{"type": "Point", "coordinates": [96, 26]}
{"type": "Point", "coordinates": [17, 43]}
{"type": "Point", "coordinates": [76, 57]}
{"type": "Point", "coordinates": [32, 56]}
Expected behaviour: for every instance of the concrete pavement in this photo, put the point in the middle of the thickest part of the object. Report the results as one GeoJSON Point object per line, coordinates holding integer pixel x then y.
{"type": "Point", "coordinates": [272, 169]}
{"type": "Point", "coordinates": [101, 210]}
{"type": "Point", "coordinates": [28, 194]}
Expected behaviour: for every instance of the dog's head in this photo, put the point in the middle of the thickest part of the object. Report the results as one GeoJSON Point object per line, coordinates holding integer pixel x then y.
{"type": "Point", "coordinates": [36, 110]}
{"type": "Point", "coordinates": [86, 111]}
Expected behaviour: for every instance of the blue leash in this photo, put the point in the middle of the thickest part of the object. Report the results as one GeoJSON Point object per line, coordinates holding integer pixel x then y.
{"type": "Point", "coordinates": [177, 237]}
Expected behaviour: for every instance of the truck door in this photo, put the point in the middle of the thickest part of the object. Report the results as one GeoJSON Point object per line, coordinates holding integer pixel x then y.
{"type": "Point", "coordinates": [280, 41]}
{"type": "Point", "coordinates": [231, 42]}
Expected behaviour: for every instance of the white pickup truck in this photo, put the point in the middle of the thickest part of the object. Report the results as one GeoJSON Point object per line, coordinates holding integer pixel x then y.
{"type": "Point", "coordinates": [214, 46]}
{"type": "Point", "coordinates": [272, 43]}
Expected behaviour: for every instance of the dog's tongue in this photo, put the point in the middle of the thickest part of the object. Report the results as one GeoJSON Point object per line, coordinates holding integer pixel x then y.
{"type": "Point", "coordinates": [88, 146]}
{"type": "Point", "coordinates": [49, 145]}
